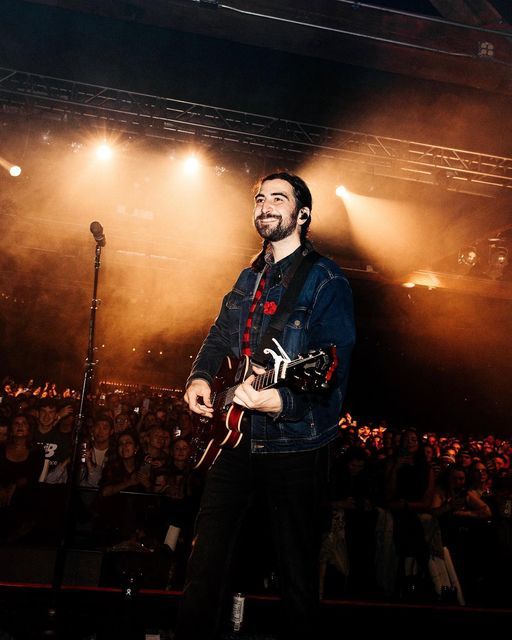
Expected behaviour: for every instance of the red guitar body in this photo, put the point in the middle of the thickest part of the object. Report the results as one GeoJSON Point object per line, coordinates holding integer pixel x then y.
{"type": "Point", "coordinates": [223, 430]}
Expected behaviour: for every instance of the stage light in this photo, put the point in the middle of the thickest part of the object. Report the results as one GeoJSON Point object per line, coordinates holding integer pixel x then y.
{"type": "Point", "coordinates": [485, 49]}
{"type": "Point", "coordinates": [47, 137]}
{"type": "Point", "coordinates": [408, 285]}
{"type": "Point", "coordinates": [104, 151]}
{"type": "Point", "coordinates": [341, 191]}
{"type": "Point", "coordinates": [13, 169]}
{"type": "Point", "coordinates": [191, 165]}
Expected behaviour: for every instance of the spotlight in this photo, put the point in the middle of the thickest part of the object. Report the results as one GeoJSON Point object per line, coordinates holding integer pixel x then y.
{"type": "Point", "coordinates": [486, 49]}
{"type": "Point", "coordinates": [47, 137]}
{"type": "Point", "coordinates": [468, 256]}
{"type": "Point", "coordinates": [341, 191]}
{"type": "Point", "coordinates": [408, 285]}
{"type": "Point", "coordinates": [104, 151]}
{"type": "Point", "coordinates": [191, 165]}
{"type": "Point", "coordinates": [15, 171]}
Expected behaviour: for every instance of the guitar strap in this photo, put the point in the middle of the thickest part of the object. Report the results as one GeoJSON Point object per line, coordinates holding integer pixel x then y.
{"type": "Point", "coordinates": [296, 278]}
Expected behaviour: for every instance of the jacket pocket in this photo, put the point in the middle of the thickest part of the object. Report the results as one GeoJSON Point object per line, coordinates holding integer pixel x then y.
{"type": "Point", "coordinates": [294, 334]}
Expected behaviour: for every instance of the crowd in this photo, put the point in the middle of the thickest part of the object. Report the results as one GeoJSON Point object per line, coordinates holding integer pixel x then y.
{"type": "Point", "coordinates": [409, 515]}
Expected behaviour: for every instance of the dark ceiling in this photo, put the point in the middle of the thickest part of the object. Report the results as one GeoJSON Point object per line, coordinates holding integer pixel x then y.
{"type": "Point", "coordinates": [439, 40]}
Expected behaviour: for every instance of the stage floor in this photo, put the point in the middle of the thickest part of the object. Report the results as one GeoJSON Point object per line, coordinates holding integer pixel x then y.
{"type": "Point", "coordinates": [30, 612]}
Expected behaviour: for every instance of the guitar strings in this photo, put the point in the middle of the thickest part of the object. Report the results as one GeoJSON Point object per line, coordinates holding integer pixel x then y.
{"type": "Point", "coordinates": [262, 380]}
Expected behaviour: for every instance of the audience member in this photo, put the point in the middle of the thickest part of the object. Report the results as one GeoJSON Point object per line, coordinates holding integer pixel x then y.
{"type": "Point", "coordinates": [21, 463]}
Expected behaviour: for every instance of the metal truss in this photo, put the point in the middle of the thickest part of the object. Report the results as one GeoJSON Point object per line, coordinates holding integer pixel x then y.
{"type": "Point", "coordinates": [166, 118]}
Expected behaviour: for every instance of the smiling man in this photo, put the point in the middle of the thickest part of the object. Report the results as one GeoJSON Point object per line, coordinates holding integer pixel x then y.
{"type": "Point", "coordinates": [284, 432]}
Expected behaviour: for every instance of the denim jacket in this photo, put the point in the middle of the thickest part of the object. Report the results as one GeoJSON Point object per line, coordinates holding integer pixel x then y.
{"type": "Point", "coordinates": [323, 316]}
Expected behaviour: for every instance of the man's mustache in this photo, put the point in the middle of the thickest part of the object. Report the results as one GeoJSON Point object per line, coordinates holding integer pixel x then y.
{"type": "Point", "coordinates": [267, 217]}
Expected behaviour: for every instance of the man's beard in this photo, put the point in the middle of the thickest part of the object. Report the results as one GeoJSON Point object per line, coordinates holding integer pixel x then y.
{"type": "Point", "coordinates": [277, 232]}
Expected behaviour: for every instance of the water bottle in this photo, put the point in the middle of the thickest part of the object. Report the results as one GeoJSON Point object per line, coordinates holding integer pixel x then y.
{"type": "Point", "coordinates": [83, 452]}
{"type": "Point", "coordinates": [237, 613]}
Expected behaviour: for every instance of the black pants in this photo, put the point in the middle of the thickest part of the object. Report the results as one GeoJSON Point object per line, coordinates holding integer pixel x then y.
{"type": "Point", "coordinates": [292, 483]}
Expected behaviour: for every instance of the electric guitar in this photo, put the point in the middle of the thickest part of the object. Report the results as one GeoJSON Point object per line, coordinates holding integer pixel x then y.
{"type": "Point", "coordinates": [311, 372]}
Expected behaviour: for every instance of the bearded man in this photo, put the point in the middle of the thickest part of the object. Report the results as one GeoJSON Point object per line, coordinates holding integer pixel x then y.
{"type": "Point", "coordinates": [284, 432]}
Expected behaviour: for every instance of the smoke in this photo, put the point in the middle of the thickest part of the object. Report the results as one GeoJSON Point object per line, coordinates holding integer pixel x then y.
{"type": "Point", "coordinates": [174, 245]}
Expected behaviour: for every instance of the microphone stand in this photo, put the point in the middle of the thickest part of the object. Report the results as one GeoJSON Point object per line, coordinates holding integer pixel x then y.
{"type": "Point", "coordinates": [73, 480]}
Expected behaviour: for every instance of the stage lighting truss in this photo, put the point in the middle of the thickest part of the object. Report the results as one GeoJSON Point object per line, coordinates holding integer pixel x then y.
{"type": "Point", "coordinates": [287, 141]}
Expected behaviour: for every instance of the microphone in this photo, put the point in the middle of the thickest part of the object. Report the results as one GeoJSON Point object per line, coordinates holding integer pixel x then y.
{"type": "Point", "coordinates": [97, 232]}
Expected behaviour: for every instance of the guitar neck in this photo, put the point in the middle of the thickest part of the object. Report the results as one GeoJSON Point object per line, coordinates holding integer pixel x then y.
{"type": "Point", "coordinates": [313, 363]}
{"type": "Point", "coordinates": [261, 381]}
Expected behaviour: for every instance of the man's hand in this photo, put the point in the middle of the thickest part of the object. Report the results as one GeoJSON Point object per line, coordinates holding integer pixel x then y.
{"type": "Point", "coordinates": [267, 400]}
{"type": "Point", "coordinates": [199, 388]}
{"type": "Point", "coordinates": [66, 411]}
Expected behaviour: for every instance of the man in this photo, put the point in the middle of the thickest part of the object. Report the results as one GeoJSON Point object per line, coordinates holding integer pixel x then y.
{"type": "Point", "coordinates": [284, 432]}
{"type": "Point", "coordinates": [57, 445]}
{"type": "Point", "coordinates": [97, 451]}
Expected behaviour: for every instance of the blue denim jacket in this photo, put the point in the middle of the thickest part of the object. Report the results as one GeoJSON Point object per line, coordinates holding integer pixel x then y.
{"type": "Point", "coordinates": [323, 316]}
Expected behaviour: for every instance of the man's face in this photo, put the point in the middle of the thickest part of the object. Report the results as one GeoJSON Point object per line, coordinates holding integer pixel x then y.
{"type": "Point", "coordinates": [157, 438]}
{"type": "Point", "coordinates": [465, 459]}
{"type": "Point", "coordinates": [121, 423]}
{"type": "Point", "coordinates": [101, 432]}
{"type": "Point", "coordinates": [275, 210]}
{"type": "Point", "coordinates": [47, 416]}
{"type": "Point", "coordinates": [499, 463]}
{"type": "Point", "coordinates": [457, 480]}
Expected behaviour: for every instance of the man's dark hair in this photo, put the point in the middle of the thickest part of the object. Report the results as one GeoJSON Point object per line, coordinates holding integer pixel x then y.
{"type": "Point", "coordinates": [104, 417]}
{"type": "Point", "coordinates": [47, 402]}
{"type": "Point", "coordinates": [303, 198]}
{"type": "Point", "coordinates": [301, 190]}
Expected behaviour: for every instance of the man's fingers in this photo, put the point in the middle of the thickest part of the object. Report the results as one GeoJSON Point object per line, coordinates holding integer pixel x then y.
{"type": "Point", "coordinates": [198, 398]}
{"type": "Point", "coordinates": [244, 393]}
{"type": "Point", "coordinates": [257, 369]}
{"type": "Point", "coordinates": [205, 401]}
